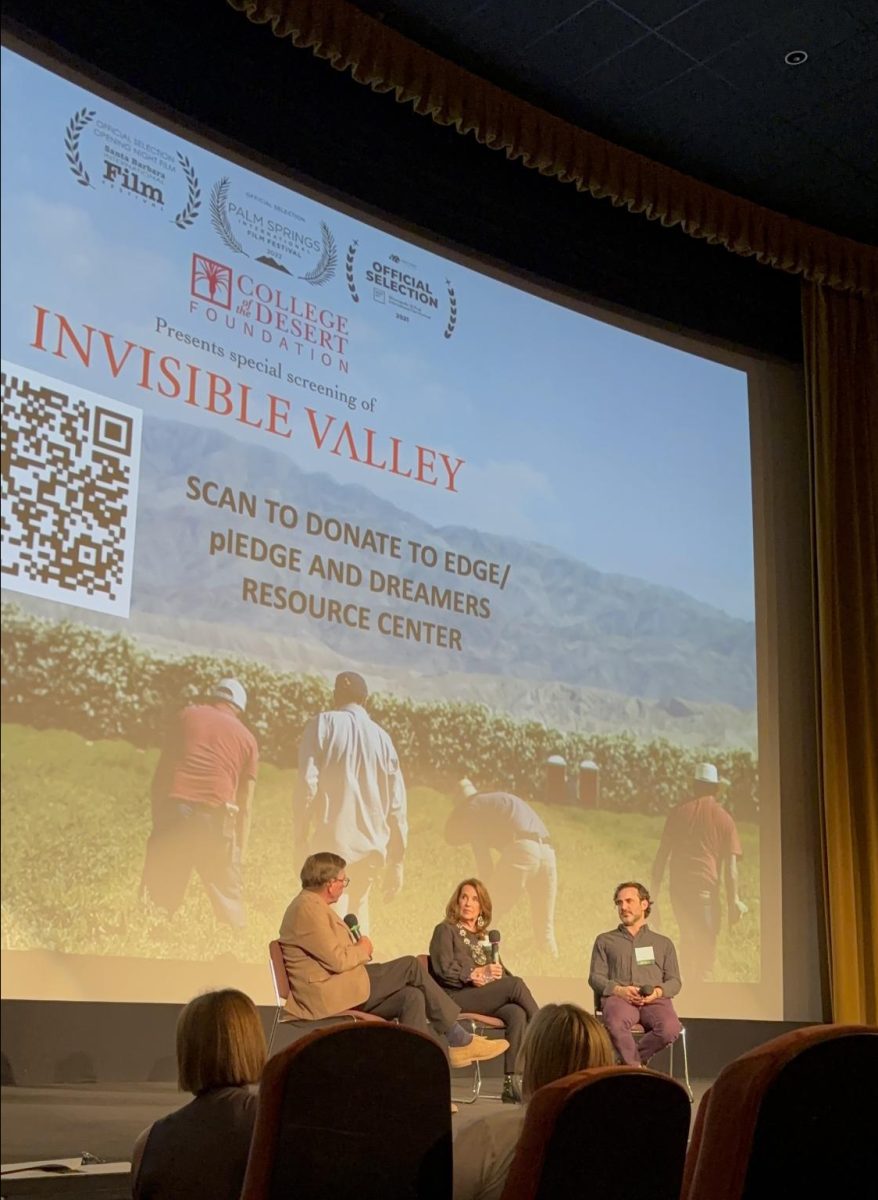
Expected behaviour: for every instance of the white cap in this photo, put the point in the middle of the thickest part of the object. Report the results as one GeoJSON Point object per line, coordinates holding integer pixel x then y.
{"type": "Point", "coordinates": [232, 691]}
{"type": "Point", "coordinates": [705, 773]}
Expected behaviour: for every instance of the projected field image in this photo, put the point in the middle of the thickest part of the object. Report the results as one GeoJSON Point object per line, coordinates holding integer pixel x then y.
{"type": "Point", "coordinates": [80, 814]}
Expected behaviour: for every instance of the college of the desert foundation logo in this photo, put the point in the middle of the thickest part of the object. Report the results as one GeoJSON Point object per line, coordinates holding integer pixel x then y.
{"type": "Point", "coordinates": [270, 312]}
{"type": "Point", "coordinates": [273, 234]}
{"type": "Point", "coordinates": [211, 281]}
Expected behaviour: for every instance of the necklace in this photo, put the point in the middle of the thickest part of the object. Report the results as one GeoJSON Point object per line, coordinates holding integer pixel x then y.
{"type": "Point", "coordinates": [475, 948]}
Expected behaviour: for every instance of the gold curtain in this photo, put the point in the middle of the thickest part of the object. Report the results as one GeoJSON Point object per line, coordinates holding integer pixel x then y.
{"type": "Point", "coordinates": [388, 62]}
{"type": "Point", "coordinates": [841, 372]}
{"type": "Point", "coordinates": [840, 283]}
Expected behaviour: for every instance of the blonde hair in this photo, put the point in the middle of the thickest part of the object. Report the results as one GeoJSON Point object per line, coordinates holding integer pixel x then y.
{"type": "Point", "coordinates": [452, 908]}
{"type": "Point", "coordinates": [561, 1039]}
{"type": "Point", "coordinates": [220, 1042]}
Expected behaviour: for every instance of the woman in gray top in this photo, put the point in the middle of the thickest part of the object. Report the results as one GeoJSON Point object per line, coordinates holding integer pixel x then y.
{"type": "Point", "coordinates": [461, 960]}
{"type": "Point", "coordinates": [200, 1151]}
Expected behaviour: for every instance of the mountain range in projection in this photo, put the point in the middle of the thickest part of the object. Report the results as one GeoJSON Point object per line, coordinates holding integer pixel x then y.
{"type": "Point", "coordinates": [558, 621]}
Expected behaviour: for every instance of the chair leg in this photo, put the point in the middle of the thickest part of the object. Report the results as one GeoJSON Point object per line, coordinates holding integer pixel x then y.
{"type": "Point", "coordinates": [487, 1095]}
{"type": "Point", "coordinates": [273, 1031]}
{"type": "Point", "coordinates": [686, 1065]}
{"type": "Point", "coordinates": [477, 1078]}
{"type": "Point", "coordinates": [475, 1089]}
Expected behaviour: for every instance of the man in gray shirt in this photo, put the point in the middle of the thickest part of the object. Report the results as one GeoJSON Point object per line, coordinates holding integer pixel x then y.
{"type": "Point", "coordinates": [634, 976]}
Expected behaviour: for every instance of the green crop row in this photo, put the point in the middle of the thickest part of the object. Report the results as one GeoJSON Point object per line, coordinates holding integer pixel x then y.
{"type": "Point", "coordinates": [71, 676]}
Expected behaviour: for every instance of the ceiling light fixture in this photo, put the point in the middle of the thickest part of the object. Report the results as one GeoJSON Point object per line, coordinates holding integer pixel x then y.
{"type": "Point", "coordinates": [795, 58]}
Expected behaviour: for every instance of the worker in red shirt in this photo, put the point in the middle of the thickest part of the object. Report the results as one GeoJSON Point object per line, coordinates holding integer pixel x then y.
{"type": "Point", "coordinates": [202, 803]}
{"type": "Point", "coordinates": [702, 843]}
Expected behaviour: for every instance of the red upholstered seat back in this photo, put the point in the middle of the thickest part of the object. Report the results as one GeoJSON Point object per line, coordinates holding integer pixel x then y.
{"type": "Point", "coordinates": [355, 1111]}
{"type": "Point", "coordinates": [792, 1117]}
{"type": "Point", "coordinates": [613, 1131]}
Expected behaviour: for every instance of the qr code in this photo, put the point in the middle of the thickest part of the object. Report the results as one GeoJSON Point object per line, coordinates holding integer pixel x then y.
{"type": "Point", "coordinates": [70, 472]}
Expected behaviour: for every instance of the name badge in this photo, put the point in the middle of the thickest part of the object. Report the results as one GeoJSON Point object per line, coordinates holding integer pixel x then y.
{"type": "Point", "coordinates": [644, 956]}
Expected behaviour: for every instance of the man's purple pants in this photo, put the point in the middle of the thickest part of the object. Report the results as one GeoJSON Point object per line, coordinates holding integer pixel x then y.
{"type": "Point", "coordinates": [658, 1019]}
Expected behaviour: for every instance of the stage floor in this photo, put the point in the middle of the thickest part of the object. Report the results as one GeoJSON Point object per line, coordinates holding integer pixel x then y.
{"type": "Point", "coordinates": [64, 1120]}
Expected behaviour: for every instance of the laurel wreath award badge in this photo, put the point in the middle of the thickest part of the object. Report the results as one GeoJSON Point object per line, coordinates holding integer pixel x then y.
{"type": "Point", "coordinates": [221, 208]}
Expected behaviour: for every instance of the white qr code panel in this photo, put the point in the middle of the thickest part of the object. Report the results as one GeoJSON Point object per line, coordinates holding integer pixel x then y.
{"type": "Point", "coordinates": [70, 471]}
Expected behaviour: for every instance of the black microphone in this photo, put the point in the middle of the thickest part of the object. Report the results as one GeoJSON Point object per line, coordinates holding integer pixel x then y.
{"type": "Point", "coordinates": [645, 989]}
{"type": "Point", "coordinates": [494, 939]}
{"type": "Point", "coordinates": [354, 926]}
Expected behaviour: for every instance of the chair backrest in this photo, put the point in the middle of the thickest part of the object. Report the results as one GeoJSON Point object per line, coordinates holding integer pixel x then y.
{"type": "Point", "coordinates": [791, 1115]}
{"type": "Point", "coordinates": [279, 978]}
{"type": "Point", "coordinates": [355, 1111]}
{"type": "Point", "coordinates": [572, 1142]}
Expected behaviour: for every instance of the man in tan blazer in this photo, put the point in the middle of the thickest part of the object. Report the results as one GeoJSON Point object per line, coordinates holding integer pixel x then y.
{"type": "Point", "coordinates": [329, 971]}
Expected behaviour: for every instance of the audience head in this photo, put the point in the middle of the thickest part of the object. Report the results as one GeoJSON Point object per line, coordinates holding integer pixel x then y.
{"type": "Point", "coordinates": [320, 869]}
{"type": "Point", "coordinates": [220, 1042]}
{"type": "Point", "coordinates": [561, 1039]}
{"type": "Point", "coordinates": [350, 688]}
{"type": "Point", "coordinates": [642, 892]}
{"type": "Point", "coordinates": [474, 891]}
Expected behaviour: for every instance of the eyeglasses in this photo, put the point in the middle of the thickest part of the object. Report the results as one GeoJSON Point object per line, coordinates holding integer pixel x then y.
{"type": "Point", "coordinates": [344, 881]}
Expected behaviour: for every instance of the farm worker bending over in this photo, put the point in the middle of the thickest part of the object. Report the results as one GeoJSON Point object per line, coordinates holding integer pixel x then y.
{"type": "Point", "coordinates": [202, 802]}
{"type": "Point", "coordinates": [633, 975]}
{"type": "Point", "coordinates": [701, 840]}
{"type": "Point", "coordinates": [505, 823]}
{"type": "Point", "coordinates": [351, 797]}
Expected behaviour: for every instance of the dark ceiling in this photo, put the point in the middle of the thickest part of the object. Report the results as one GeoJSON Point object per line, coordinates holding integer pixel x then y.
{"type": "Point", "coordinates": [203, 63]}
{"type": "Point", "coordinates": [700, 85]}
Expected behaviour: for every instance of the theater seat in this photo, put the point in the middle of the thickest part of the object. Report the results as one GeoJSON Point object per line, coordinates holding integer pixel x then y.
{"type": "Point", "coordinates": [356, 1112]}
{"type": "Point", "coordinates": [608, 1131]}
{"type": "Point", "coordinates": [795, 1117]}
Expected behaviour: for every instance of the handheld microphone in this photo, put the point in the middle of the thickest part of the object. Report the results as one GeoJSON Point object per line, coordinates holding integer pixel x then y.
{"type": "Point", "coordinates": [645, 989]}
{"type": "Point", "coordinates": [494, 939]}
{"type": "Point", "coordinates": [354, 926]}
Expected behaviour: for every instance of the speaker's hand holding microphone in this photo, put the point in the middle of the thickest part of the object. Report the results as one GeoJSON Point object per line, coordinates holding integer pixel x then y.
{"type": "Point", "coordinates": [357, 934]}
{"type": "Point", "coordinates": [495, 969]}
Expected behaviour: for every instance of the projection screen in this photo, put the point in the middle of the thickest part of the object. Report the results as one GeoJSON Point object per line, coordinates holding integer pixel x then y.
{"type": "Point", "coordinates": [250, 433]}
